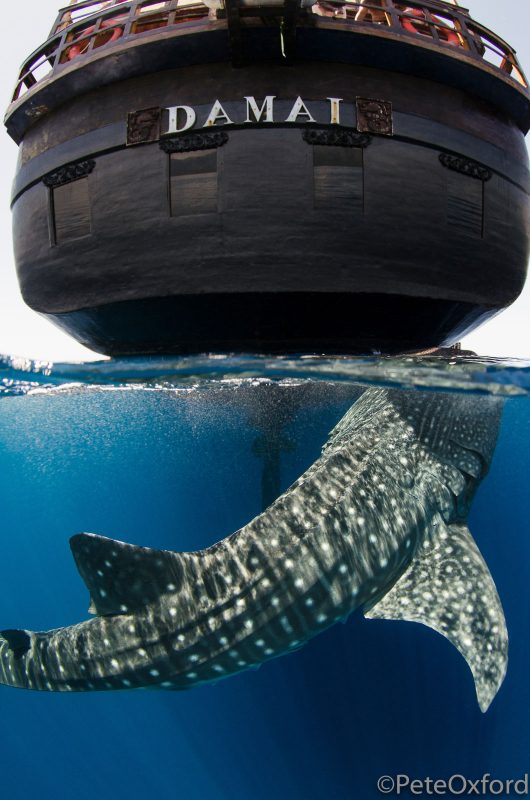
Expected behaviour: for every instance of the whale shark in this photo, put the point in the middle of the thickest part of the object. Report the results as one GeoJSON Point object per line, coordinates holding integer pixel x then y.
{"type": "Point", "coordinates": [377, 522]}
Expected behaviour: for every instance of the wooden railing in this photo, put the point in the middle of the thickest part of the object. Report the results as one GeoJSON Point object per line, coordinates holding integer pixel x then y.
{"type": "Point", "coordinates": [84, 27]}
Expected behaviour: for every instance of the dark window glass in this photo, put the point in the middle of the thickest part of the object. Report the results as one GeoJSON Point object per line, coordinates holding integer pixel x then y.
{"type": "Point", "coordinates": [193, 182]}
{"type": "Point", "coordinates": [338, 177]}
{"type": "Point", "coordinates": [465, 204]}
{"type": "Point", "coordinates": [71, 211]}
{"type": "Point", "coordinates": [266, 170]}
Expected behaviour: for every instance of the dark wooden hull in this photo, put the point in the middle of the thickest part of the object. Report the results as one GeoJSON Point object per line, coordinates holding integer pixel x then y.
{"type": "Point", "coordinates": [276, 239]}
{"type": "Point", "coordinates": [271, 322]}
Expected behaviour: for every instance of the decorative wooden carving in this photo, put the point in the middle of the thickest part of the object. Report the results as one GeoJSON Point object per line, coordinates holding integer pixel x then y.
{"type": "Point", "coordinates": [338, 138]}
{"type": "Point", "coordinates": [374, 116]}
{"type": "Point", "coordinates": [466, 166]}
{"type": "Point", "coordinates": [143, 126]}
{"type": "Point", "coordinates": [69, 173]}
{"type": "Point", "coordinates": [194, 141]}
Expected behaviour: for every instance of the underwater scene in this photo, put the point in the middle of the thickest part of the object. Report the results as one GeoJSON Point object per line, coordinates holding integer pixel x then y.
{"type": "Point", "coordinates": [255, 538]}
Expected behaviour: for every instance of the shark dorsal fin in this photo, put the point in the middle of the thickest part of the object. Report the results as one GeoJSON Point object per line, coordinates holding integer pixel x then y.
{"type": "Point", "coordinates": [363, 412]}
{"type": "Point", "coordinates": [123, 577]}
{"type": "Point", "coordinates": [448, 587]}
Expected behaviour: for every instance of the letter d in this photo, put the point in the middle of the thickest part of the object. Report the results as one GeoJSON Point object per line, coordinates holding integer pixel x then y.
{"type": "Point", "coordinates": [191, 117]}
{"type": "Point", "coordinates": [521, 787]}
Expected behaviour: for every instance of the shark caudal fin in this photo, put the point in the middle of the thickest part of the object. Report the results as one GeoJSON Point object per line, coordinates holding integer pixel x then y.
{"type": "Point", "coordinates": [123, 577]}
{"type": "Point", "coordinates": [448, 587]}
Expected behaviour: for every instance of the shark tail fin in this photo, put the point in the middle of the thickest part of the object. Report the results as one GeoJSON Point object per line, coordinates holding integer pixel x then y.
{"type": "Point", "coordinates": [123, 577]}
{"type": "Point", "coordinates": [448, 587]}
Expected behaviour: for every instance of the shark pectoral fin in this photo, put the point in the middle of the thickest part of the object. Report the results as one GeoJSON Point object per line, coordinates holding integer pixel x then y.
{"type": "Point", "coordinates": [122, 577]}
{"type": "Point", "coordinates": [448, 587]}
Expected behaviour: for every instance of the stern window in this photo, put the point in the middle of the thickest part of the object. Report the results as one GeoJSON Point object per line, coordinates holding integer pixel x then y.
{"type": "Point", "coordinates": [338, 179]}
{"type": "Point", "coordinates": [193, 182]}
{"type": "Point", "coordinates": [70, 211]}
{"type": "Point", "coordinates": [465, 204]}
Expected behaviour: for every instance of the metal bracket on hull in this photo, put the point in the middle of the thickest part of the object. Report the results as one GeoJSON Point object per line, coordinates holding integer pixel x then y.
{"type": "Point", "coordinates": [288, 29]}
{"type": "Point", "coordinates": [234, 32]}
{"type": "Point", "coordinates": [287, 13]}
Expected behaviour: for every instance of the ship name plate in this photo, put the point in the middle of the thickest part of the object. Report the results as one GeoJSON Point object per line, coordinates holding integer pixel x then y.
{"type": "Point", "coordinates": [147, 125]}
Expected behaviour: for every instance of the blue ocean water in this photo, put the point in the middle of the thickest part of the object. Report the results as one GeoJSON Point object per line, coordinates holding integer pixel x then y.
{"type": "Point", "coordinates": [177, 454]}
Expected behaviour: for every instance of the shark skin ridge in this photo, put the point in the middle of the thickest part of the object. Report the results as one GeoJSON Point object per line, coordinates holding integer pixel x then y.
{"type": "Point", "coordinates": [378, 521]}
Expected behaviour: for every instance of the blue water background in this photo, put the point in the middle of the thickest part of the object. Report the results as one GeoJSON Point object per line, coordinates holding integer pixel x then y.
{"type": "Point", "coordinates": [169, 463]}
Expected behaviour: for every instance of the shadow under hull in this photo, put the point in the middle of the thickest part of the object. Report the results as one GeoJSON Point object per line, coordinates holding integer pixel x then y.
{"type": "Point", "coordinates": [271, 323]}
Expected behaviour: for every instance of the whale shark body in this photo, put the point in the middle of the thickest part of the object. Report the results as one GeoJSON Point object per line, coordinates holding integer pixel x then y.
{"type": "Point", "coordinates": [377, 522]}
